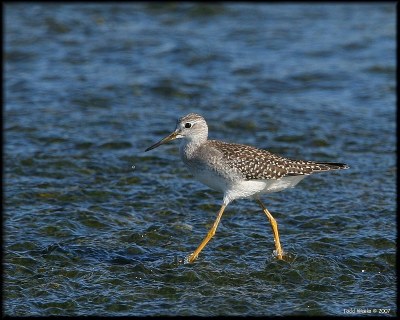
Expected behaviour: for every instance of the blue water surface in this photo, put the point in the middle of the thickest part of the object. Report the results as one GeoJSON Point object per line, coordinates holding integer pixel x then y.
{"type": "Point", "coordinates": [93, 225]}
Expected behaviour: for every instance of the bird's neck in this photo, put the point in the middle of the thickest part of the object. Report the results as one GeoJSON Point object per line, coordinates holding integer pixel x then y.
{"type": "Point", "coordinates": [189, 146]}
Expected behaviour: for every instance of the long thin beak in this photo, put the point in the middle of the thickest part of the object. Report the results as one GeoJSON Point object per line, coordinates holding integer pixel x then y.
{"type": "Point", "coordinates": [171, 137]}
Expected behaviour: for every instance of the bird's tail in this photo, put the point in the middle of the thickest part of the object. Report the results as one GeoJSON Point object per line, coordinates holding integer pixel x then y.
{"type": "Point", "coordinates": [324, 166]}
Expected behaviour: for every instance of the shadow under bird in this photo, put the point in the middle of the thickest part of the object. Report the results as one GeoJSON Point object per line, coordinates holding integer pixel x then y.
{"type": "Point", "coordinates": [238, 170]}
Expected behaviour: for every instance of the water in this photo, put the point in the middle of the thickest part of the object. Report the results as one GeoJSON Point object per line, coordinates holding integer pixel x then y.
{"type": "Point", "coordinates": [95, 226]}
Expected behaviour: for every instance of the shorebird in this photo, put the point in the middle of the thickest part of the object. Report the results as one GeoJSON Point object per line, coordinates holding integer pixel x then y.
{"type": "Point", "coordinates": [237, 170]}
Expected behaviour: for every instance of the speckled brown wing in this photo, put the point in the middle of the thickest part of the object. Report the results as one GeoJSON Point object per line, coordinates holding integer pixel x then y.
{"type": "Point", "coordinates": [260, 164]}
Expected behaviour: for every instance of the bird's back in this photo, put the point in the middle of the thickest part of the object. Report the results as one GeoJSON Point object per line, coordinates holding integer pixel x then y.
{"type": "Point", "coordinates": [258, 164]}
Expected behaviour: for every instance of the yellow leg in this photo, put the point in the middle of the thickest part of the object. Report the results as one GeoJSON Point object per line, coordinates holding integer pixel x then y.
{"type": "Point", "coordinates": [274, 225]}
{"type": "Point", "coordinates": [210, 234]}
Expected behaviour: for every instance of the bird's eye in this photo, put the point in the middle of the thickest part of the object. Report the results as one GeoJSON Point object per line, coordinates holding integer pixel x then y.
{"type": "Point", "coordinates": [188, 125]}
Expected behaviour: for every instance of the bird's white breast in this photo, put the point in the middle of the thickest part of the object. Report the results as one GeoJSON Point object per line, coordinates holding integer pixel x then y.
{"type": "Point", "coordinates": [213, 181]}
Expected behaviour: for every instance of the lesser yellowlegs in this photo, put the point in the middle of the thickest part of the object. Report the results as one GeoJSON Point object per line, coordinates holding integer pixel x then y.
{"type": "Point", "coordinates": [239, 171]}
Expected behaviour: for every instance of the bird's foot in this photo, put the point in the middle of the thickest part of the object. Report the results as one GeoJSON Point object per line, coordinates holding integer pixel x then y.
{"type": "Point", "coordinates": [190, 258]}
{"type": "Point", "coordinates": [283, 255]}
